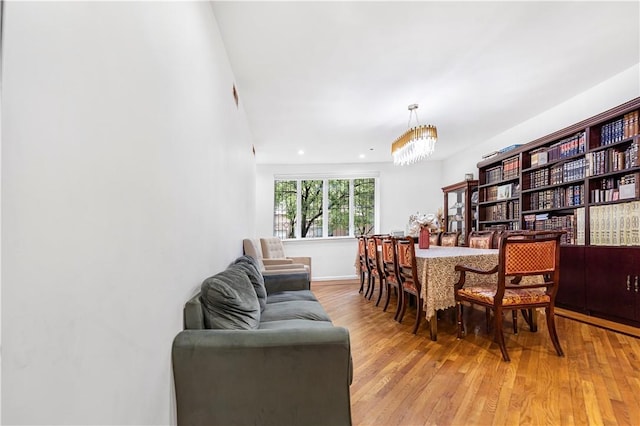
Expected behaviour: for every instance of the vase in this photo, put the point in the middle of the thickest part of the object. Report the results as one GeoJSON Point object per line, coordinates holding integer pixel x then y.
{"type": "Point", "coordinates": [423, 238]}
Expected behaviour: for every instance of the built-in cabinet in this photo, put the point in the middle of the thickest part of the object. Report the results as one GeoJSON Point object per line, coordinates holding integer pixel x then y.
{"type": "Point", "coordinates": [584, 179]}
{"type": "Point", "coordinates": [613, 283]}
{"type": "Point", "coordinates": [461, 208]}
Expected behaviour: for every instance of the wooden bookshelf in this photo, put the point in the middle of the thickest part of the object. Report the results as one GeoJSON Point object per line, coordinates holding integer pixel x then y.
{"type": "Point", "coordinates": [584, 179]}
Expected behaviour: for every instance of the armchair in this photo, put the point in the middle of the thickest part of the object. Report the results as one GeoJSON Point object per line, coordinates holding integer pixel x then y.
{"type": "Point", "coordinates": [273, 250]}
{"type": "Point", "coordinates": [252, 248]}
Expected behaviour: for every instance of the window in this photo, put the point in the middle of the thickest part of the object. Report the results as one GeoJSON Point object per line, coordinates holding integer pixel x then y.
{"type": "Point", "coordinates": [315, 208]}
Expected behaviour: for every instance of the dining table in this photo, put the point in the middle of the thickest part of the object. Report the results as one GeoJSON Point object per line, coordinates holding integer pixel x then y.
{"type": "Point", "coordinates": [437, 274]}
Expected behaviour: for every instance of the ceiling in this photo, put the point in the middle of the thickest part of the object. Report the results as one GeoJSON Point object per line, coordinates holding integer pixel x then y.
{"type": "Point", "coordinates": [334, 79]}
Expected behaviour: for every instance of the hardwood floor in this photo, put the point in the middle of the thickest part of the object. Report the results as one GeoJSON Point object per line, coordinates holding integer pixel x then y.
{"type": "Point", "coordinates": [406, 379]}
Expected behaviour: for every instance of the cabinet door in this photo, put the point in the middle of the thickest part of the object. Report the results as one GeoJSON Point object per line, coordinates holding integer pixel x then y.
{"type": "Point", "coordinates": [607, 270]}
{"type": "Point", "coordinates": [571, 291]}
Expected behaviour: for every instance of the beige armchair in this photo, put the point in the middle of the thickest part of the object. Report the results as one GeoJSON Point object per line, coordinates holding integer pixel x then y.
{"type": "Point", "coordinates": [252, 248]}
{"type": "Point", "coordinates": [273, 249]}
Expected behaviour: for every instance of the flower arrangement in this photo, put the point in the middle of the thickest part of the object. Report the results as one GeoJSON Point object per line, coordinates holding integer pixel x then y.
{"type": "Point", "coordinates": [418, 221]}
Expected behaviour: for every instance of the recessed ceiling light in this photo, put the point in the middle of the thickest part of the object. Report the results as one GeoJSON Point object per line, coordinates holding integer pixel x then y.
{"type": "Point", "coordinates": [300, 152]}
{"type": "Point", "coordinates": [361, 155]}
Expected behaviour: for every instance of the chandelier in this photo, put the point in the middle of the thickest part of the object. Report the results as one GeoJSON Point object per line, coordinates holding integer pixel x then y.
{"type": "Point", "coordinates": [416, 144]}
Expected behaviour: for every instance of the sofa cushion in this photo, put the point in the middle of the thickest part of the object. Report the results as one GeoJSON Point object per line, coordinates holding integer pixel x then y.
{"type": "Point", "coordinates": [295, 309]}
{"type": "Point", "coordinates": [249, 265]}
{"type": "Point", "coordinates": [285, 296]}
{"type": "Point", "coordinates": [294, 323]}
{"type": "Point", "coordinates": [229, 301]}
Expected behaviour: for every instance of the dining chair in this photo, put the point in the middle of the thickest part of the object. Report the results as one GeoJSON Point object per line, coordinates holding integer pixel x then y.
{"type": "Point", "coordinates": [434, 238]}
{"type": "Point", "coordinates": [390, 271]}
{"type": "Point", "coordinates": [363, 266]}
{"type": "Point", "coordinates": [497, 237]}
{"type": "Point", "coordinates": [480, 239]}
{"type": "Point", "coordinates": [525, 254]}
{"type": "Point", "coordinates": [375, 267]}
{"type": "Point", "coordinates": [408, 277]}
{"type": "Point", "coordinates": [450, 239]}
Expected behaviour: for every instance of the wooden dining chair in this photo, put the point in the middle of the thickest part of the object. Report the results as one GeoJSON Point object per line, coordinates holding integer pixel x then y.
{"type": "Point", "coordinates": [480, 239]}
{"type": "Point", "coordinates": [375, 267]}
{"type": "Point", "coordinates": [363, 266]}
{"type": "Point", "coordinates": [525, 254]}
{"type": "Point", "coordinates": [390, 271]}
{"type": "Point", "coordinates": [434, 238]}
{"type": "Point", "coordinates": [408, 277]}
{"type": "Point", "coordinates": [450, 239]}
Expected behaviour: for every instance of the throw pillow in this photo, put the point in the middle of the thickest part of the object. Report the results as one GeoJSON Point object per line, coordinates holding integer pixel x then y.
{"type": "Point", "coordinates": [230, 302]}
{"type": "Point", "coordinates": [244, 264]}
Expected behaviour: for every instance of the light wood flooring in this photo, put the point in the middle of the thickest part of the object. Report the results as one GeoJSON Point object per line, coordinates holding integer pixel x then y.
{"type": "Point", "coordinates": [406, 379]}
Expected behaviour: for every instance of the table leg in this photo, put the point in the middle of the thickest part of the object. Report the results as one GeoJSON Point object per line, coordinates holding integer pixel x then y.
{"type": "Point", "coordinates": [433, 327]}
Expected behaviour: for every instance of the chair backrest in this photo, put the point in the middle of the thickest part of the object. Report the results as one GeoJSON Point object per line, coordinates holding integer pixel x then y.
{"type": "Point", "coordinates": [362, 252]}
{"type": "Point", "coordinates": [528, 253]}
{"type": "Point", "coordinates": [251, 248]}
{"type": "Point", "coordinates": [407, 267]}
{"type": "Point", "coordinates": [373, 255]}
{"type": "Point", "coordinates": [450, 239]}
{"type": "Point", "coordinates": [389, 259]}
{"type": "Point", "coordinates": [480, 239]}
{"type": "Point", "coordinates": [272, 248]}
{"type": "Point", "coordinates": [434, 238]}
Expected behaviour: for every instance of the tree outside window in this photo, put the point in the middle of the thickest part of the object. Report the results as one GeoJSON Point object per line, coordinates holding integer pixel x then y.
{"type": "Point", "coordinates": [335, 207]}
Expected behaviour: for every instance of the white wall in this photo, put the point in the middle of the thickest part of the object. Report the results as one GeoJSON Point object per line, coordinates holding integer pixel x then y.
{"type": "Point", "coordinates": [127, 178]}
{"type": "Point", "coordinates": [610, 93]}
{"type": "Point", "coordinates": [403, 191]}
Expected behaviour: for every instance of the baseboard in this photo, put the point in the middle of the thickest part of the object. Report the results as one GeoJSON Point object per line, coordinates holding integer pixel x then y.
{"type": "Point", "coordinates": [599, 322]}
{"type": "Point", "coordinates": [337, 278]}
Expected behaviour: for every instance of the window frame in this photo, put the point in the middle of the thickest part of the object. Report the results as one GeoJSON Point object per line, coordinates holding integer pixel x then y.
{"type": "Point", "coordinates": [325, 199]}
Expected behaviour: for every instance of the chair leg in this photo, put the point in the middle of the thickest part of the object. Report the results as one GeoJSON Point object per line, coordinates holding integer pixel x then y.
{"type": "Point", "coordinates": [499, 333]}
{"type": "Point", "coordinates": [514, 318]}
{"type": "Point", "coordinates": [386, 304]}
{"type": "Point", "coordinates": [361, 282]}
{"type": "Point", "coordinates": [459, 320]}
{"type": "Point", "coordinates": [551, 325]}
{"type": "Point", "coordinates": [368, 286]}
{"type": "Point", "coordinates": [529, 316]}
{"type": "Point", "coordinates": [383, 283]}
{"type": "Point", "coordinates": [399, 304]}
{"type": "Point", "coordinates": [403, 306]}
{"type": "Point", "coordinates": [372, 289]}
{"type": "Point", "coordinates": [418, 316]}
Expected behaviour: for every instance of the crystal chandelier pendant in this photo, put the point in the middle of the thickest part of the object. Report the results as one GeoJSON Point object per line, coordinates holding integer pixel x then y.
{"type": "Point", "coordinates": [416, 144]}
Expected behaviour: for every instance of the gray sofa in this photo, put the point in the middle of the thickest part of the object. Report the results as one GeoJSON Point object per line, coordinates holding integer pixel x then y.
{"type": "Point", "coordinates": [260, 350]}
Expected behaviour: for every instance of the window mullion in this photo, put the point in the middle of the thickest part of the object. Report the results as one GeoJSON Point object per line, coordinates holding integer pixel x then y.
{"type": "Point", "coordinates": [351, 208]}
{"type": "Point", "coordinates": [325, 207]}
{"type": "Point", "coordinates": [299, 208]}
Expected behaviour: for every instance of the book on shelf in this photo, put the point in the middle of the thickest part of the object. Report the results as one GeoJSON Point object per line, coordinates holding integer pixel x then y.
{"type": "Point", "coordinates": [615, 224]}
{"type": "Point", "coordinates": [493, 174]}
{"type": "Point", "coordinates": [580, 223]}
{"type": "Point", "coordinates": [629, 186]}
{"type": "Point", "coordinates": [504, 191]}
{"type": "Point", "coordinates": [620, 129]}
{"type": "Point", "coordinates": [571, 223]}
{"type": "Point", "coordinates": [510, 168]}
{"type": "Point", "coordinates": [612, 160]}
{"type": "Point", "coordinates": [567, 147]}
{"type": "Point", "coordinates": [538, 157]}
